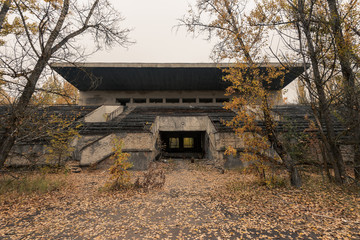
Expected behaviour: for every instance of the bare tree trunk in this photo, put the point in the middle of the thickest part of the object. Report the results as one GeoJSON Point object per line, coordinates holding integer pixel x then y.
{"type": "Point", "coordinates": [4, 10]}
{"type": "Point", "coordinates": [295, 178]}
{"type": "Point", "coordinates": [332, 149]}
{"type": "Point", "coordinates": [233, 31]}
{"type": "Point", "coordinates": [9, 137]}
{"type": "Point", "coordinates": [344, 53]}
{"type": "Point", "coordinates": [15, 118]}
{"type": "Point", "coordinates": [7, 140]}
{"type": "Point", "coordinates": [325, 161]}
{"type": "Point", "coordinates": [357, 162]}
{"type": "Point", "coordinates": [51, 38]}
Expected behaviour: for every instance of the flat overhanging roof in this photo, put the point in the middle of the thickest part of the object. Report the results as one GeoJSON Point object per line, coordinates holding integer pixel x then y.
{"type": "Point", "coordinates": [157, 76]}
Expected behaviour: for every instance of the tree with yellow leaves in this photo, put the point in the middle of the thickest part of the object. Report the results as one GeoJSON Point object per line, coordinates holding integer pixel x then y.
{"type": "Point", "coordinates": [322, 34]}
{"type": "Point", "coordinates": [49, 30]}
{"type": "Point", "coordinates": [13, 24]}
{"type": "Point", "coordinates": [119, 173]}
{"type": "Point", "coordinates": [60, 133]}
{"type": "Point", "coordinates": [241, 41]}
{"type": "Point", "coordinates": [56, 92]}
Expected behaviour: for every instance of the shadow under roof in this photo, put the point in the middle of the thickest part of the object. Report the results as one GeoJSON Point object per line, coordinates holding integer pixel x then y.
{"type": "Point", "coordinates": [156, 76]}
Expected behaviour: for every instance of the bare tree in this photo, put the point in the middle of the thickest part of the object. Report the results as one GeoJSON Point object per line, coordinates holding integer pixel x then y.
{"type": "Point", "coordinates": [345, 51]}
{"type": "Point", "coordinates": [304, 24]}
{"type": "Point", "coordinates": [50, 36]}
{"type": "Point", "coordinates": [307, 29]}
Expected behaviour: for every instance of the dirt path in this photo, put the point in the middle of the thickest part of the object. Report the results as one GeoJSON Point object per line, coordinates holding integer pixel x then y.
{"type": "Point", "coordinates": [188, 207]}
{"type": "Point", "coordinates": [183, 209]}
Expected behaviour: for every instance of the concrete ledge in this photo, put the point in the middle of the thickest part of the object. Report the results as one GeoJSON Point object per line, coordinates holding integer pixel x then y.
{"type": "Point", "coordinates": [104, 113]}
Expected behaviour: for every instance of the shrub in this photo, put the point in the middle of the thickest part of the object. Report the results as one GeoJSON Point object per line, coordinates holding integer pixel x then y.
{"type": "Point", "coordinates": [119, 174]}
{"type": "Point", "coordinates": [153, 178]}
{"type": "Point", "coordinates": [273, 181]}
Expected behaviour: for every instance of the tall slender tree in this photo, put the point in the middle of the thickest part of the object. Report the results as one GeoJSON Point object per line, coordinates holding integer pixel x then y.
{"type": "Point", "coordinates": [312, 31]}
{"type": "Point", "coordinates": [346, 52]}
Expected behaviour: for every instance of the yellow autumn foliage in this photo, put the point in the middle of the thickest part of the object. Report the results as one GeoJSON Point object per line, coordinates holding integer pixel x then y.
{"type": "Point", "coordinates": [61, 132]}
{"type": "Point", "coordinates": [119, 174]}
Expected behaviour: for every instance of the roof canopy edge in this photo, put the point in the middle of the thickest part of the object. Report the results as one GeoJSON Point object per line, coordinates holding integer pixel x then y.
{"type": "Point", "coordinates": [161, 65]}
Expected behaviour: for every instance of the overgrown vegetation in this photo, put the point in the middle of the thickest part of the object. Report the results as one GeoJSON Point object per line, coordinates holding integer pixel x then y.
{"type": "Point", "coordinates": [119, 173]}
{"type": "Point", "coordinates": [34, 34]}
{"type": "Point", "coordinates": [60, 133]}
{"type": "Point", "coordinates": [153, 178]}
{"type": "Point", "coordinates": [120, 177]}
{"type": "Point", "coordinates": [31, 183]}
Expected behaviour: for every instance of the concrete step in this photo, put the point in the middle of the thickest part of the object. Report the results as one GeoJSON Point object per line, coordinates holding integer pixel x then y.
{"type": "Point", "coordinates": [75, 169]}
{"type": "Point", "coordinates": [74, 166]}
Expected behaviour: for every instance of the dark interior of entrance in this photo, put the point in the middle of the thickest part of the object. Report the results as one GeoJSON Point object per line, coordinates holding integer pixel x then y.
{"type": "Point", "coordinates": [182, 144]}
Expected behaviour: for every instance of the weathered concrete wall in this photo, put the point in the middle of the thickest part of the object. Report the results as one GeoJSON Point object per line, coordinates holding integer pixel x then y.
{"type": "Point", "coordinates": [200, 123]}
{"type": "Point", "coordinates": [347, 152]}
{"type": "Point", "coordinates": [233, 162]}
{"type": "Point", "coordinates": [25, 155]}
{"type": "Point", "coordinates": [140, 160]}
{"type": "Point", "coordinates": [139, 145]}
{"type": "Point", "coordinates": [104, 113]}
{"type": "Point", "coordinates": [212, 141]}
{"type": "Point", "coordinates": [109, 97]}
{"type": "Point", "coordinates": [32, 155]}
{"type": "Point", "coordinates": [97, 151]}
{"type": "Point", "coordinates": [227, 139]}
{"type": "Point", "coordinates": [92, 150]}
{"type": "Point", "coordinates": [230, 139]}
{"type": "Point", "coordinates": [210, 150]}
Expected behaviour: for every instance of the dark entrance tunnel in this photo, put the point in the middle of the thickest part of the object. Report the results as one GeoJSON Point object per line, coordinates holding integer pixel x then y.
{"type": "Point", "coordinates": [180, 144]}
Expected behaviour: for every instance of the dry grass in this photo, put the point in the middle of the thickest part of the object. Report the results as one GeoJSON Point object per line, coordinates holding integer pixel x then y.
{"type": "Point", "coordinates": [31, 183]}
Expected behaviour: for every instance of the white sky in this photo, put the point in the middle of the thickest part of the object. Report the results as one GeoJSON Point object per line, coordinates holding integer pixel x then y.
{"type": "Point", "coordinates": [157, 38]}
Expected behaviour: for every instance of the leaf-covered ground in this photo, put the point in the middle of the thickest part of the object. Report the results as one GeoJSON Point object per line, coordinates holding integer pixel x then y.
{"type": "Point", "coordinates": [197, 202]}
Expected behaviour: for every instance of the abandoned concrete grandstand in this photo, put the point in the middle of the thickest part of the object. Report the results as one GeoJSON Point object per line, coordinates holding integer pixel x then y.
{"type": "Point", "coordinates": [159, 110]}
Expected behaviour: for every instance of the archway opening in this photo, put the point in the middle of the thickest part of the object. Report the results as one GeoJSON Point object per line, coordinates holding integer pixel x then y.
{"type": "Point", "coordinates": [183, 144]}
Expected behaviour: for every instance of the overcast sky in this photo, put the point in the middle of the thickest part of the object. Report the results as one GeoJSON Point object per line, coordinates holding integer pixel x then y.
{"type": "Point", "coordinates": [157, 38]}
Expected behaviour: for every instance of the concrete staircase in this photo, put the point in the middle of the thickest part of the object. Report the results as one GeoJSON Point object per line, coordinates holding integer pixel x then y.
{"type": "Point", "coordinates": [97, 151]}
{"type": "Point", "coordinates": [74, 166]}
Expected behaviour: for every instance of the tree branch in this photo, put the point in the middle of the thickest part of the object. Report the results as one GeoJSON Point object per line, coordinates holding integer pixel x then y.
{"type": "Point", "coordinates": [4, 10]}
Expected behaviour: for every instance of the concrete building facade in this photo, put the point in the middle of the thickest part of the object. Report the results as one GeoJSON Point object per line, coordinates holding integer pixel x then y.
{"type": "Point", "coordinates": [159, 110]}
